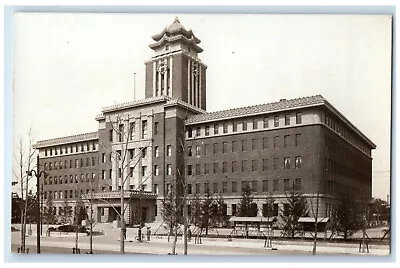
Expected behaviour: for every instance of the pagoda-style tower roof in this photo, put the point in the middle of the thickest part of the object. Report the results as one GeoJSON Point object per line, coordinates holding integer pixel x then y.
{"type": "Point", "coordinates": [176, 33]}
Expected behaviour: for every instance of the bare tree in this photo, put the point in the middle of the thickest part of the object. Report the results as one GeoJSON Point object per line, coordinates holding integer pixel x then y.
{"type": "Point", "coordinates": [315, 214]}
{"type": "Point", "coordinates": [24, 158]}
{"type": "Point", "coordinates": [268, 213]}
{"type": "Point", "coordinates": [122, 126]}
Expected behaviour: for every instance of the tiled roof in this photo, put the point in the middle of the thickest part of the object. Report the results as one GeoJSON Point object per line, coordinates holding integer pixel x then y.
{"type": "Point", "coordinates": [131, 104]}
{"type": "Point", "coordinates": [190, 41]}
{"type": "Point", "coordinates": [174, 28]}
{"type": "Point", "coordinates": [68, 139]}
{"type": "Point", "coordinates": [261, 108]}
{"type": "Point", "coordinates": [187, 105]}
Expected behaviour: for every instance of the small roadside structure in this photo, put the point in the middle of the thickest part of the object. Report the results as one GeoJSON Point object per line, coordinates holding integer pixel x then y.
{"type": "Point", "coordinates": [246, 226]}
{"type": "Point", "coordinates": [308, 224]}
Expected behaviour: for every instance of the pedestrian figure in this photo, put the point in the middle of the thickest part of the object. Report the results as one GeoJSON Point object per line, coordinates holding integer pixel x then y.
{"type": "Point", "coordinates": [148, 233]}
{"type": "Point", "coordinates": [189, 233]}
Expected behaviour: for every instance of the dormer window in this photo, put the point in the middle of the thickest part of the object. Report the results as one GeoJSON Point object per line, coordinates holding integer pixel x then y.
{"type": "Point", "coordinates": [166, 47]}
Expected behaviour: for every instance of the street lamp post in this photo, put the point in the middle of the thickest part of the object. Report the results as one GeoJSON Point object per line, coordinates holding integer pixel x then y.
{"type": "Point", "coordinates": [38, 219]}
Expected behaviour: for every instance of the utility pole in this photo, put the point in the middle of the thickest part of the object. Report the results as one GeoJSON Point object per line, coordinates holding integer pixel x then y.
{"type": "Point", "coordinates": [38, 220]}
{"type": "Point", "coordinates": [38, 206]}
{"type": "Point", "coordinates": [185, 219]}
{"type": "Point", "coordinates": [316, 227]}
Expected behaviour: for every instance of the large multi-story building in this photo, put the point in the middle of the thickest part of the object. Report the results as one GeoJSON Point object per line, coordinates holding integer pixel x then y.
{"type": "Point", "coordinates": [168, 140]}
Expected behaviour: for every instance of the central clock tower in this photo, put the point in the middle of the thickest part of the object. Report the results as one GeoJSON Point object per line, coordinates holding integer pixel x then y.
{"type": "Point", "coordinates": [175, 70]}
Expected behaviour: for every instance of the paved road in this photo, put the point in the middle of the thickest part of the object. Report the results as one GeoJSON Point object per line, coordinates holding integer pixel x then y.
{"type": "Point", "coordinates": [109, 243]}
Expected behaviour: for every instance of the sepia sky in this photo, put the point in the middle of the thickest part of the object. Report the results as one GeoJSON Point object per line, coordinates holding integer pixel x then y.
{"type": "Point", "coordinates": [68, 66]}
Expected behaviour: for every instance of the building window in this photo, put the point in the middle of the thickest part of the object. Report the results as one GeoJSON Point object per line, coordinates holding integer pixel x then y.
{"type": "Point", "coordinates": [286, 185]}
{"type": "Point", "coordinates": [265, 185]}
{"type": "Point", "coordinates": [206, 169]}
{"type": "Point", "coordinates": [215, 148]}
{"type": "Point", "coordinates": [254, 185]}
{"type": "Point", "coordinates": [144, 152]}
{"type": "Point", "coordinates": [297, 139]}
{"type": "Point", "coordinates": [215, 187]}
{"type": "Point", "coordinates": [234, 166]}
{"type": "Point", "coordinates": [206, 149]}
{"type": "Point", "coordinates": [206, 188]}
{"type": "Point", "coordinates": [244, 125]}
{"type": "Point", "coordinates": [276, 121]}
{"type": "Point", "coordinates": [156, 170]}
{"type": "Point", "coordinates": [207, 130]}
{"type": "Point", "coordinates": [156, 151]}
{"type": "Point", "coordinates": [103, 158]}
{"type": "Point", "coordinates": [276, 140]}
{"type": "Point", "coordinates": [198, 169]}
{"type": "Point", "coordinates": [131, 153]}
{"type": "Point", "coordinates": [169, 150]}
{"type": "Point", "coordinates": [253, 165]}
{"type": "Point", "coordinates": [190, 132]}
{"type": "Point", "coordinates": [275, 163]}
{"type": "Point", "coordinates": [276, 185]}
{"type": "Point", "coordinates": [253, 144]}
{"type": "Point", "coordinates": [156, 128]}
{"type": "Point", "coordinates": [189, 188]}
{"type": "Point", "coordinates": [245, 184]}
{"type": "Point", "coordinates": [234, 187]}
{"type": "Point", "coordinates": [110, 135]}
{"type": "Point", "coordinates": [224, 147]}
{"type": "Point", "coordinates": [224, 167]}
{"type": "Point", "coordinates": [189, 170]}
{"type": "Point", "coordinates": [197, 188]}
{"type": "Point", "coordinates": [298, 118]}
{"type": "Point", "coordinates": [103, 174]}
{"type": "Point", "coordinates": [244, 165]}
{"type": "Point", "coordinates": [286, 163]}
{"type": "Point", "coordinates": [297, 184]}
{"type": "Point", "coordinates": [197, 131]}
{"type": "Point", "coordinates": [244, 146]}
{"type": "Point", "coordinates": [234, 146]}
{"type": "Point", "coordinates": [224, 187]}
{"type": "Point", "coordinates": [286, 141]}
{"type": "Point", "coordinates": [197, 150]}
{"type": "Point", "coordinates": [144, 171]}
{"type": "Point", "coordinates": [215, 167]}
{"type": "Point", "coordinates": [297, 162]}
{"type": "Point", "coordinates": [265, 122]}
{"type": "Point", "coordinates": [287, 119]}
{"type": "Point", "coordinates": [255, 123]}
{"type": "Point", "coordinates": [225, 127]}
{"type": "Point", "coordinates": [169, 169]}
{"type": "Point", "coordinates": [234, 126]}
{"type": "Point", "coordinates": [265, 143]}
{"type": "Point", "coordinates": [216, 129]}
{"type": "Point", "coordinates": [144, 129]}
{"type": "Point", "coordinates": [265, 164]}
